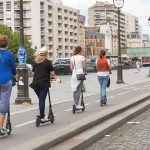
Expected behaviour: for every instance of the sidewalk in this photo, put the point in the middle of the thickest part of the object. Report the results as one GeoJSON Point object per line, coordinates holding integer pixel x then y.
{"type": "Point", "coordinates": [61, 92]}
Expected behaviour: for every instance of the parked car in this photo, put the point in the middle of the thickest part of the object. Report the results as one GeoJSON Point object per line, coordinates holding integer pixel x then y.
{"type": "Point", "coordinates": [62, 66]}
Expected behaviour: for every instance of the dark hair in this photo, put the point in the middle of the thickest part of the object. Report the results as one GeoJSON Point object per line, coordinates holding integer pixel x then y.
{"type": "Point", "coordinates": [3, 41]}
{"type": "Point", "coordinates": [77, 50]}
{"type": "Point", "coordinates": [102, 53]}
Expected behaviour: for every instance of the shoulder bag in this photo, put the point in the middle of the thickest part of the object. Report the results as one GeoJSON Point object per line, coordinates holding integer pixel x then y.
{"type": "Point", "coordinates": [81, 76]}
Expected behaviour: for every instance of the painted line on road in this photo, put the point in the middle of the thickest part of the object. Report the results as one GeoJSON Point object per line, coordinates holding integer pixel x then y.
{"type": "Point", "coordinates": [68, 109]}
{"type": "Point", "coordinates": [146, 86]}
{"type": "Point", "coordinates": [26, 123]}
{"type": "Point", "coordinates": [87, 104]}
{"type": "Point", "coordinates": [109, 97]}
{"type": "Point", "coordinates": [123, 93]}
{"type": "Point", "coordinates": [23, 124]}
{"type": "Point", "coordinates": [136, 89]}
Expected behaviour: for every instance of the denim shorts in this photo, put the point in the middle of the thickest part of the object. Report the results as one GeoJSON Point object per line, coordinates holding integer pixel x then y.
{"type": "Point", "coordinates": [5, 92]}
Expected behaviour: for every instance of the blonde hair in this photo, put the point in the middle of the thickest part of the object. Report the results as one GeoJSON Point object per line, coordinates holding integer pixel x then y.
{"type": "Point", "coordinates": [40, 58]}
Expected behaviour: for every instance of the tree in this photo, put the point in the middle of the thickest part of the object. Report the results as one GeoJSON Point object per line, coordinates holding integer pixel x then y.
{"type": "Point", "coordinates": [14, 42]}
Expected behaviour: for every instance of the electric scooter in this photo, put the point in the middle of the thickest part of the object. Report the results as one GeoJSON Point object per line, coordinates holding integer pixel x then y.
{"type": "Point", "coordinates": [74, 109]}
{"type": "Point", "coordinates": [50, 114]}
{"type": "Point", "coordinates": [8, 123]}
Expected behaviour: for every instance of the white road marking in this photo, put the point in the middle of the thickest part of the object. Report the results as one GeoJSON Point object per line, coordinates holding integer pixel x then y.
{"type": "Point", "coordinates": [23, 124]}
{"type": "Point", "coordinates": [123, 93]}
{"type": "Point", "coordinates": [146, 86]}
{"type": "Point", "coordinates": [136, 89]}
{"type": "Point", "coordinates": [87, 104]}
{"type": "Point", "coordinates": [133, 122]}
{"type": "Point", "coordinates": [110, 97]}
{"type": "Point", "coordinates": [68, 110]}
{"type": "Point", "coordinates": [26, 123]}
{"type": "Point", "coordinates": [107, 97]}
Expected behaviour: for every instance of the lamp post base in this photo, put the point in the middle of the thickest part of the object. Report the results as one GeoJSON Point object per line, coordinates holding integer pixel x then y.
{"type": "Point", "coordinates": [20, 100]}
{"type": "Point", "coordinates": [22, 85]}
{"type": "Point", "coordinates": [119, 74]}
{"type": "Point", "coordinates": [119, 81]}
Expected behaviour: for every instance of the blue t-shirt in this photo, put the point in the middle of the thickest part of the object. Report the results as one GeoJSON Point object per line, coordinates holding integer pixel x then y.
{"type": "Point", "coordinates": [8, 67]}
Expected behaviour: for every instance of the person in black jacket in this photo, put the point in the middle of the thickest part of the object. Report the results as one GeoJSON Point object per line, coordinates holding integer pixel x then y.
{"type": "Point", "coordinates": [43, 70]}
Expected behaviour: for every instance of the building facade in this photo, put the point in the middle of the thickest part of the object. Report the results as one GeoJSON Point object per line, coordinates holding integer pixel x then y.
{"type": "Point", "coordinates": [94, 41]}
{"type": "Point", "coordinates": [102, 13]}
{"type": "Point", "coordinates": [46, 23]}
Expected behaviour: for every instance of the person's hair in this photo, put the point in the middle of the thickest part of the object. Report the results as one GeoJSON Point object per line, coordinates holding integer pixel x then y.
{"type": "Point", "coordinates": [3, 41]}
{"type": "Point", "coordinates": [40, 58]}
{"type": "Point", "coordinates": [102, 53]}
{"type": "Point", "coordinates": [77, 50]}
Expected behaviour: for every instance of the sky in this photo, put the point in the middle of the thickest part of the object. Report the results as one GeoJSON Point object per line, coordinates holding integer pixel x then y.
{"type": "Point", "coordinates": [139, 8]}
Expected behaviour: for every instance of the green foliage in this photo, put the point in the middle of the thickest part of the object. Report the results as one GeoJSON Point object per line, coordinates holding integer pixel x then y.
{"type": "Point", "coordinates": [14, 42]}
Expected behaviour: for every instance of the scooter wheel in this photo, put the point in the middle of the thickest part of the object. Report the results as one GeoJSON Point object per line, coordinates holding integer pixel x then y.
{"type": "Point", "coordinates": [37, 123]}
{"type": "Point", "coordinates": [8, 126]}
{"type": "Point", "coordinates": [74, 109]}
{"type": "Point", "coordinates": [52, 118]}
{"type": "Point", "coordinates": [83, 108]}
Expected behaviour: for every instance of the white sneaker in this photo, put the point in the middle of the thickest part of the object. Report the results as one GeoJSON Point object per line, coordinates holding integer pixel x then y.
{"type": "Point", "coordinates": [3, 131]}
{"type": "Point", "coordinates": [79, 107]}
{"type": "Point", "coordinates": [44, 119]}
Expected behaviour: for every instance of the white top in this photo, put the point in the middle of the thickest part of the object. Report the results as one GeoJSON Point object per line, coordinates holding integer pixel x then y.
{"type": "Point", "coordinates": [101, 73]}
{"type": "Point", "coordinates": [77, 63]}
{"type": "Point", "coordinates": [77, 69]}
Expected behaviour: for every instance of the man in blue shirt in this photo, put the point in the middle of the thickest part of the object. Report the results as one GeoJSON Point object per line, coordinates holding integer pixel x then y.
{"type": "Point", "coordinates": [7, 70]}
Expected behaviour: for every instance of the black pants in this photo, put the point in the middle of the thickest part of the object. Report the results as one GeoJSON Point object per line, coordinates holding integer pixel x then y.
{"type": "Point", "coordinates": [42, 93]}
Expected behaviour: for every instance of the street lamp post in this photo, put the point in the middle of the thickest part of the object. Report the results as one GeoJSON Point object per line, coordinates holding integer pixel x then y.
{"type": "Point", "coordinates": [22, 69]}
{"type": "Point", "coordinates": [149, 21]}
{"type": "Point", "coordinates": [119, 4]}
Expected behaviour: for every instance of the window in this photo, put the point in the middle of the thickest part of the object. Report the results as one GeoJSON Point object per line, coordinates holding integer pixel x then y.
{"type": "Point", "coordinates": [1, 5]}
{"type": "Point", "coordinates": [8, 5]}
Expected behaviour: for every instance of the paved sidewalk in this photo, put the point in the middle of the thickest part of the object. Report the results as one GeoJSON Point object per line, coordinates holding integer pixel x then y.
{"type": "Point", "coordinates": [61, 92]}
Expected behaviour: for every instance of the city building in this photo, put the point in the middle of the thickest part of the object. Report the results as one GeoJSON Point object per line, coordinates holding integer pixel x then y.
{"type": "Point", "coordinates": [145, 40]}
{"type": "Point", "coordinates": [94, 41]}
{"type": "Point", "coordinates": [102, 13]}
{"type": "Point", "coordinates": [46, 23]}
{"type": "Point", "coordinates": [132, 23]}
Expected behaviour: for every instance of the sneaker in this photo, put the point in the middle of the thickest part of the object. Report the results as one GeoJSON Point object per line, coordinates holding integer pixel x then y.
{"type": "Point", "coordinates": [79, 107]}
{"type": "Point", "coordinates": [44, 119]}
{"type": "Point", "coordinates": [3, 131]}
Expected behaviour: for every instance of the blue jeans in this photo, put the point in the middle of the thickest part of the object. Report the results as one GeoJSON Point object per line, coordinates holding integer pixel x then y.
{"type": "Point", "coordinates": [42, 93]}
{"type": "Point", "coordinates": [103, 80]}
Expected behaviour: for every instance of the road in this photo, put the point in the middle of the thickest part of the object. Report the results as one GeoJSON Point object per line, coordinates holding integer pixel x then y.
{"type": "Point", "coordinates": [24, 123]}
{"type": "Point", "coordinates": [134, 135]}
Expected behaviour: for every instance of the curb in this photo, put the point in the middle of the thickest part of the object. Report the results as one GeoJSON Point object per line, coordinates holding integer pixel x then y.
{"type": "Point", "coordinates": [49, 140]}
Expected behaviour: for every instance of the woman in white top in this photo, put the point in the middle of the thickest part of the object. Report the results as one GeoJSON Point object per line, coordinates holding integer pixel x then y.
{"type": "Point", "coordinates": [77, 66]}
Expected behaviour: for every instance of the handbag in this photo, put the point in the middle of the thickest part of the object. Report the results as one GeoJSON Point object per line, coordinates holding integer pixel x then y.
{"type": "Point", "coordinates": [81, 76]}
{"type": "Point", "coordinates": [13, 79]}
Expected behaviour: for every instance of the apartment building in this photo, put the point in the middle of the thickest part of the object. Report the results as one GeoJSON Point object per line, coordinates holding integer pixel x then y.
{"type": "Point", "coordinates": [46, 23]}
{"type": "Point", "coordinates": [103, 13]}
{"type": "Point", "coordinates": [132, 23]}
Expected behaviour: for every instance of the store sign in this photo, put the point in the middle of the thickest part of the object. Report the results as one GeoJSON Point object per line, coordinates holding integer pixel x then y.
{"type": "Point", "coordinates": [118, 3]}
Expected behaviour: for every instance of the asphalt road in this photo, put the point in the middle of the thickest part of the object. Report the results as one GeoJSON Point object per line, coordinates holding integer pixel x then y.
{"type": "Point", "coordinates": [24, 124]}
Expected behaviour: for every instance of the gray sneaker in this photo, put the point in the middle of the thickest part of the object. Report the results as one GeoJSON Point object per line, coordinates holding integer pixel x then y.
{"type": "Point", "coordinates": [3, 131]}
{"type": "Point", "coordinates": [44, 119]}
